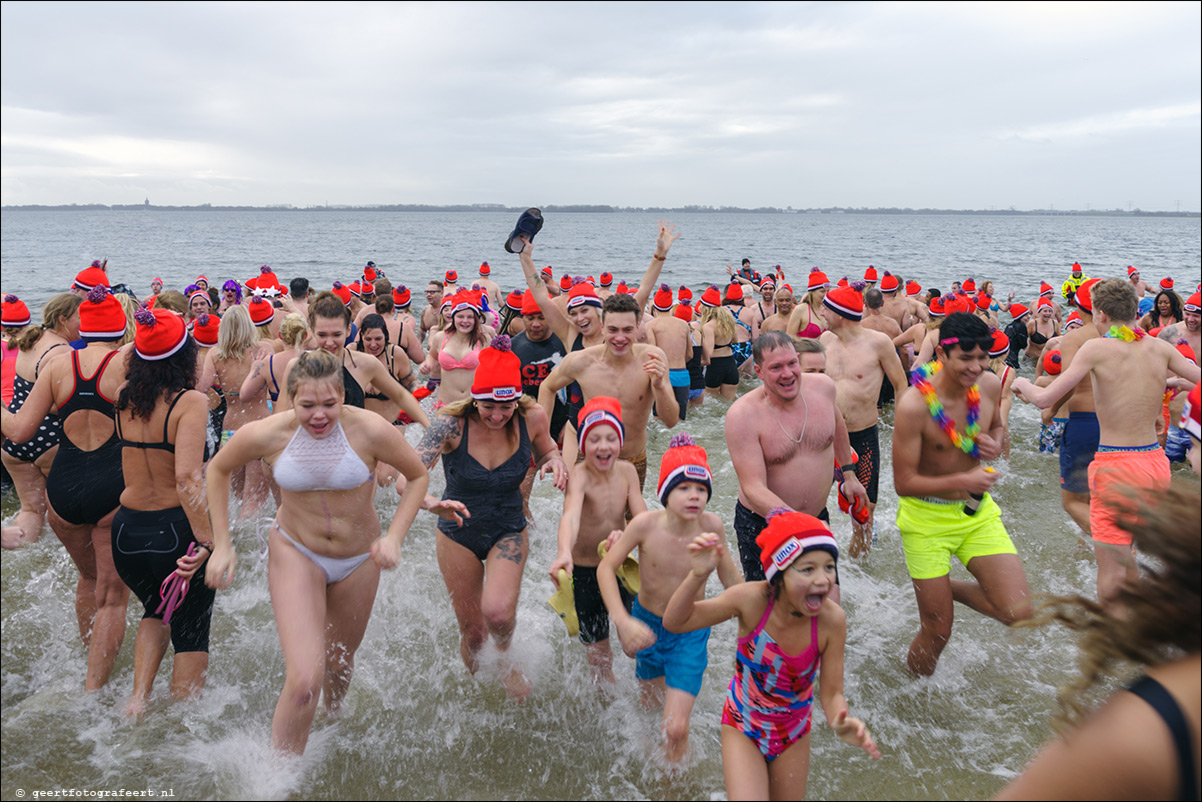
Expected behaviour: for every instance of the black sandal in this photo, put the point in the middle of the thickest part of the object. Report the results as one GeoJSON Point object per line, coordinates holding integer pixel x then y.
{"type": "Point", "coordinates": [529, 224]}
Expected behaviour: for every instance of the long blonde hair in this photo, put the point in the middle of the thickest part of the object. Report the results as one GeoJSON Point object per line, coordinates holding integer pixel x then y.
{"type": "Point", "coordinates": [293, 330]}
{"type": "Point", "coordinates": [129, 306]}
{"type": "Point", "coordinates": [724, 321]}
{"type": "Point", "coordinates": [237, 334]}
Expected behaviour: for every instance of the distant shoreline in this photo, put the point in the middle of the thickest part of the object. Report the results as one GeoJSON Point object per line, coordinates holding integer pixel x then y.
{"type": "Point", "coordinates": [599, 209]}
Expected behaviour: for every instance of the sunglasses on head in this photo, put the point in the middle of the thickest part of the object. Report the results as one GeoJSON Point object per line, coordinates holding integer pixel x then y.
{"type": "Point", "coordinates": [968, 343]}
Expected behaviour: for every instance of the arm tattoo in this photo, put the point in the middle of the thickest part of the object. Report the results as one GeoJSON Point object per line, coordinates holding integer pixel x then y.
{"type": "Point", "coordinates": [1169, 334]}
{"type": "Point", "coordinates": [442, 429]}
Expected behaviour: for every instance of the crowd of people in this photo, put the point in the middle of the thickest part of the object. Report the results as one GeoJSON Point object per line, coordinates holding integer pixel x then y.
{"type": "Point", "coordinates": [134, 422]}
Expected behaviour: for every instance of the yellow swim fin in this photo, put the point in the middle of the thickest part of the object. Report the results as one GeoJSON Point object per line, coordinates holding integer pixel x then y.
{"type": "Point", "coordinates": [563, 602]}
{"type": "Point", "coordinates": [628, 571]}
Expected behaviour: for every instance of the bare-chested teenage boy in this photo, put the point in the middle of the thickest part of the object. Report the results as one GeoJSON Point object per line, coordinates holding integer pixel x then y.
{"type": "Point", "coordinates": [669, 667]}
{"type": "Point", "coordinates": [941, 434]}
{"type": "Point", "coordinates": [635, 373]}
{"type": "Point", "coordinates": [784, 438]}
{"type": "Point", "coordinates": [670, 333]}
{"type": "Point", "coordinates": [429, 319]}
{"type": "Point", "coordinates": [594, 506]}
{"type": "Point", "coordinates": [1127, 370]}
{"type": "Point", "coordinates": [860, 360]}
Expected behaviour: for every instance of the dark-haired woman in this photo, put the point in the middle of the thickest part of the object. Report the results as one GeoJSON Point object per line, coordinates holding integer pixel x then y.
{"type": "Point", "coordinates": [28, 463]}
{"type": "Point", "coordinates": [329, 327]}
{"type": "Point", "coordinates": [487, 442]}
{"type": "Point", "coordinates": [325, 549]}
{"type": "Point", "coordinates": [162, 527]}
{"type": "Point", "coordinates": [85, 483]}
{"type": "Point", "coordinates": [1166, 310]}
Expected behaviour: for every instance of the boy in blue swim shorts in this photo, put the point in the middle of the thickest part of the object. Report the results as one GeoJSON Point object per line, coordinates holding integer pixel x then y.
{"type": "Point", "coordinates": [669, 666]}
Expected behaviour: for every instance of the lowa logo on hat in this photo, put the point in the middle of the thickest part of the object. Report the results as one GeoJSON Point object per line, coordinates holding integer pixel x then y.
{"type": "Point", "coordinates": [504, 393]}
{"type": "Point", "coordinates": [785, 553]}
{"type": "Point", "coordinates": [594, 417]}
{"type": "Point", "coordinates": [696, 472]}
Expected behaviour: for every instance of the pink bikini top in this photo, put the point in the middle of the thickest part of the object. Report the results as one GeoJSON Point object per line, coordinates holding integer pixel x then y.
{"type": "Point", "coordinates": [812, 329]}
{"type": "Point", "coordinates": [470, 362]}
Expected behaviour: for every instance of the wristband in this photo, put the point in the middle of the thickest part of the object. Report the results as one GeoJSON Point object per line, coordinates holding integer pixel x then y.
{"type": "Point", "coordinates": [657, 257]}
{"type": "Point", "coordinates": [846, 468]}
{"type": "Point", "coordinates": [205, 545]}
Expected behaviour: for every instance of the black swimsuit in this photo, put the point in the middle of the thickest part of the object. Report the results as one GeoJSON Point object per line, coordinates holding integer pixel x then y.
{"type": "Point", "coordinates": [388, 364]}
{"type": "Point", "coordinates": [84, 486]}
{"type": "Point", "coordinates": [493, 497]}
{"type": "Point", "coordinates": [1169, 711]}
{"type": "Point", "coordinates": [352, 393]}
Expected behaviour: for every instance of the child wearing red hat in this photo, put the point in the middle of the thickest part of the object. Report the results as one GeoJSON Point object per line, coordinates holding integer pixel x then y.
{"type": "Point", "coordinates": [600, 490]}
{"type": "Point", "coordinates": [791, 638]}
{"type": "Point", "coordinates": [668, 666]}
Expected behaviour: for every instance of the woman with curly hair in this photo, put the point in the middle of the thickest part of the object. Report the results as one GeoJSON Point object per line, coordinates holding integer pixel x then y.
{"type": "Point", "coordinates": [1142, 743]}
{"type": "Point", "coordinates": [161, 534]}
{"type": "Point", "coordinates": [1166, 310]}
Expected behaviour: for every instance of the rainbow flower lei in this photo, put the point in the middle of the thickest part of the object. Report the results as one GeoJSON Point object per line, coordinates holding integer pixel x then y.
{"type": "Point", "coordinates": [966, 442]}
{"type": "Point", "coordinates": [1126, 333]}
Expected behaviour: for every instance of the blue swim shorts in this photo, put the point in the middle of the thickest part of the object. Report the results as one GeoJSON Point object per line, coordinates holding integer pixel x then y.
{"type": "Point", "coordinates": [679, 659]}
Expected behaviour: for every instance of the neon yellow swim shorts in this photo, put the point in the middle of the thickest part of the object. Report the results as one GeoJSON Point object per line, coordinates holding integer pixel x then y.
{"type": "Point", "coordinates": [934, 530]}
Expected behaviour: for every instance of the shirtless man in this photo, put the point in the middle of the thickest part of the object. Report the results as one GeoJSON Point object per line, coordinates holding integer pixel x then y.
{"type": "Point", "coordinates": [1047, 291]}
{"type": "Point", "coordinates": [779, 321]}
{"type": "Point", "coordinates": [489, 286]}
{"type": "Point", "coordinates": [1080, 439]}
{"type": "Point", "coordinates": [433, 308]}
{"type": "Point", "coordinates": [1127, 370]}
{"type": "Point", "coordinates": [943, 508]}
{"type": "Point", "coordinates": [859, 359]}
{"type": "Point", "coordinates": [297, 299]}
{"type": "Point", "coordinates": [634, 373]}
{"type": "Point", "coordinates": [784, 438]}
{"type": "Point", "coordinates": [670, 333]}
{"type": "Point", "coordinates": [894, 304]}
{"type": "Point", "coordinates": [812, 354]}
{"type": "Point", "coordinates": [1138, 284]}
{"type": "Point", "coordinates": [918, 310]}
{"type": "Point", "coordinates": [766, 307]}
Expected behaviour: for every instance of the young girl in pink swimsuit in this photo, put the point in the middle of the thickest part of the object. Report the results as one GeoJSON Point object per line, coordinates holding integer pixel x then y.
{"type": "Point", "coordinates": [790, 635]}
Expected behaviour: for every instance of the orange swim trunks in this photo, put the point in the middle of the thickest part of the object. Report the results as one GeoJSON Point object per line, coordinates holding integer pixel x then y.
{"type": "Point", "coordinates": [1115, 471]}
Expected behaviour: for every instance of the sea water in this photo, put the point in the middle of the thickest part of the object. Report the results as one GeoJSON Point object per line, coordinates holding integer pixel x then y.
{"type": "Point", "coordinates": [415, 724]}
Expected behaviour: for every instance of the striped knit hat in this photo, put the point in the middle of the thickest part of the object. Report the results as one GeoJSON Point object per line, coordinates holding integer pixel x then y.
{"type": "Point", "coordinates": [788, 536]}
{"type": "Point", "coordinates": [845, 302]}
{"type": "Point", "coordinates": [684, 461]}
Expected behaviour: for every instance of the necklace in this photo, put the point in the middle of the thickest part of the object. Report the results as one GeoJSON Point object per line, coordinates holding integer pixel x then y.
{"type": "Point", "coordinates": [795, 440]}
{"type": "Point", "coordinates": [1125, 333]}
{"type": "Point", "coordinates": [966, 442]}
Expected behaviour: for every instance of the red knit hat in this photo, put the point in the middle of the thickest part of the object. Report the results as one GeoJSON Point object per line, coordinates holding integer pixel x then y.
{"type": "Point", "coordinates": [1084, 301]}
{"type": "Point", "coordinates": [711, 297]}
{"type": "Point", "coordinates": [547, 272]}
{"type": "Point", "coordinates": [734, 293]}
{"type": "Point", "coordinates": [1187, 351]}
{"type": "Point", "coordinates": [938, 309]}
{"type": "Point", "coordinates": [788, 536]}
{"type": "Point", "coordinates": [983, 302]}
{"type": "Point", "coordinates": [684, 461]}
{"type": "Point", "coordinates": [607, 278]}
{"type": "Point", "coordinates": [684, 312]}
{"type": "Point", "coordinates": [817, 280]}
{"type": "Point", "coordinates": [467, 299]}
{"type": "Point", "coordinates": [969, 285]}
{"type": "Point", "coordinates": [1132, 271]}
{"type": "Point", "coordinates": [889, 282]}
{"type": "Point", "coordinates": [343, 292]}
{"type": "Point", "coordinates": [1018, 311]}
{"type": "Point", "coordinates": [1045, 288]}
{"type": "Point", "coordinates": [1043, 301]}
{"type": "Point", "coordinates": [870, 274]}
{"type": "Point", "coordinates": [514, 301]}
{"type": "Point", "coordinates": [684, 295]}
{"type": "Point", "coordinates": [1191, 415]}
{"type": "Point", "coordinates": [101, 315]}
{"type": "Point", "coordinates": [842, 282]}
{"type": "Point", "coordinates": [265, 283]}
{"type": "Point", "coordinates": [565, 282]}
{"type": "Point", "coordinates": [485, 270]}
{"type": "Point", "coordinates": [845, 302]}
{"type": "Point", "coordinates": [1073, 317]}
{"type": "Point", "coordinates": [663, 298]}
{"type": "Point", "coordinates": [261, 311]}
{"type": "Point", "coordinates": [160, 333]}
{"type": "Point", "coordinates": [624, 289]}
{"type": "Point", "coordinates": [1051, 362]}
{"type": "Point", "coordinates": [529, 304]}
{"type": "Point", "coordinates": [601, 411]}
{"type": "Point", "coordinates": [450, 277]}
{"type": "Point", "coordinates": [583, 294]}
{"type": "Point", "coordinates": [202, 277]}
{"type": "Point", "coordinates": [15, 313]}
{"type": "Point", "coordinates": [402, 297]}
{"type": "Point", "coordinates": [370, 274]}
{"type": "Point", "coordinates": [592, 281]}
{"type": "Point", "coordinates": [1000, 345]}
{"type": "Point", "coordinates": [499, 375]}
{"type": "Point", "coordinates": [205, 328]}
{"type": "Point", "coordinates": [357, 289]}
{"type": "Point", "coordinates": [956, 303]}
{"type": "Point", "coordinates": [90, 277]}
{"type": "Point", "coordinates": [913, 288]}
{"type": "Point", "coordinates": [1194, 304]}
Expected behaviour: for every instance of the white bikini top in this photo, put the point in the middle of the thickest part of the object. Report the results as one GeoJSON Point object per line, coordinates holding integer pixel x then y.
{"type": "Point", "coordinates": [326, 464]}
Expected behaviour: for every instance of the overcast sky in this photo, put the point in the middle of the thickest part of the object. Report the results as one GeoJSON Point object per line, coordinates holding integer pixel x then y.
{"type": "Point", "coordinates": [807, 105]}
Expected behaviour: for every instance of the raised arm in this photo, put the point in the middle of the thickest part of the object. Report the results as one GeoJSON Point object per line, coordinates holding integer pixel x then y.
{"type": "Point", "coordinates": [684, 612]}
{"type": "Point", "coordinates": [663, 243]}
{"type": "Point", "coordinates": [560, 326]}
